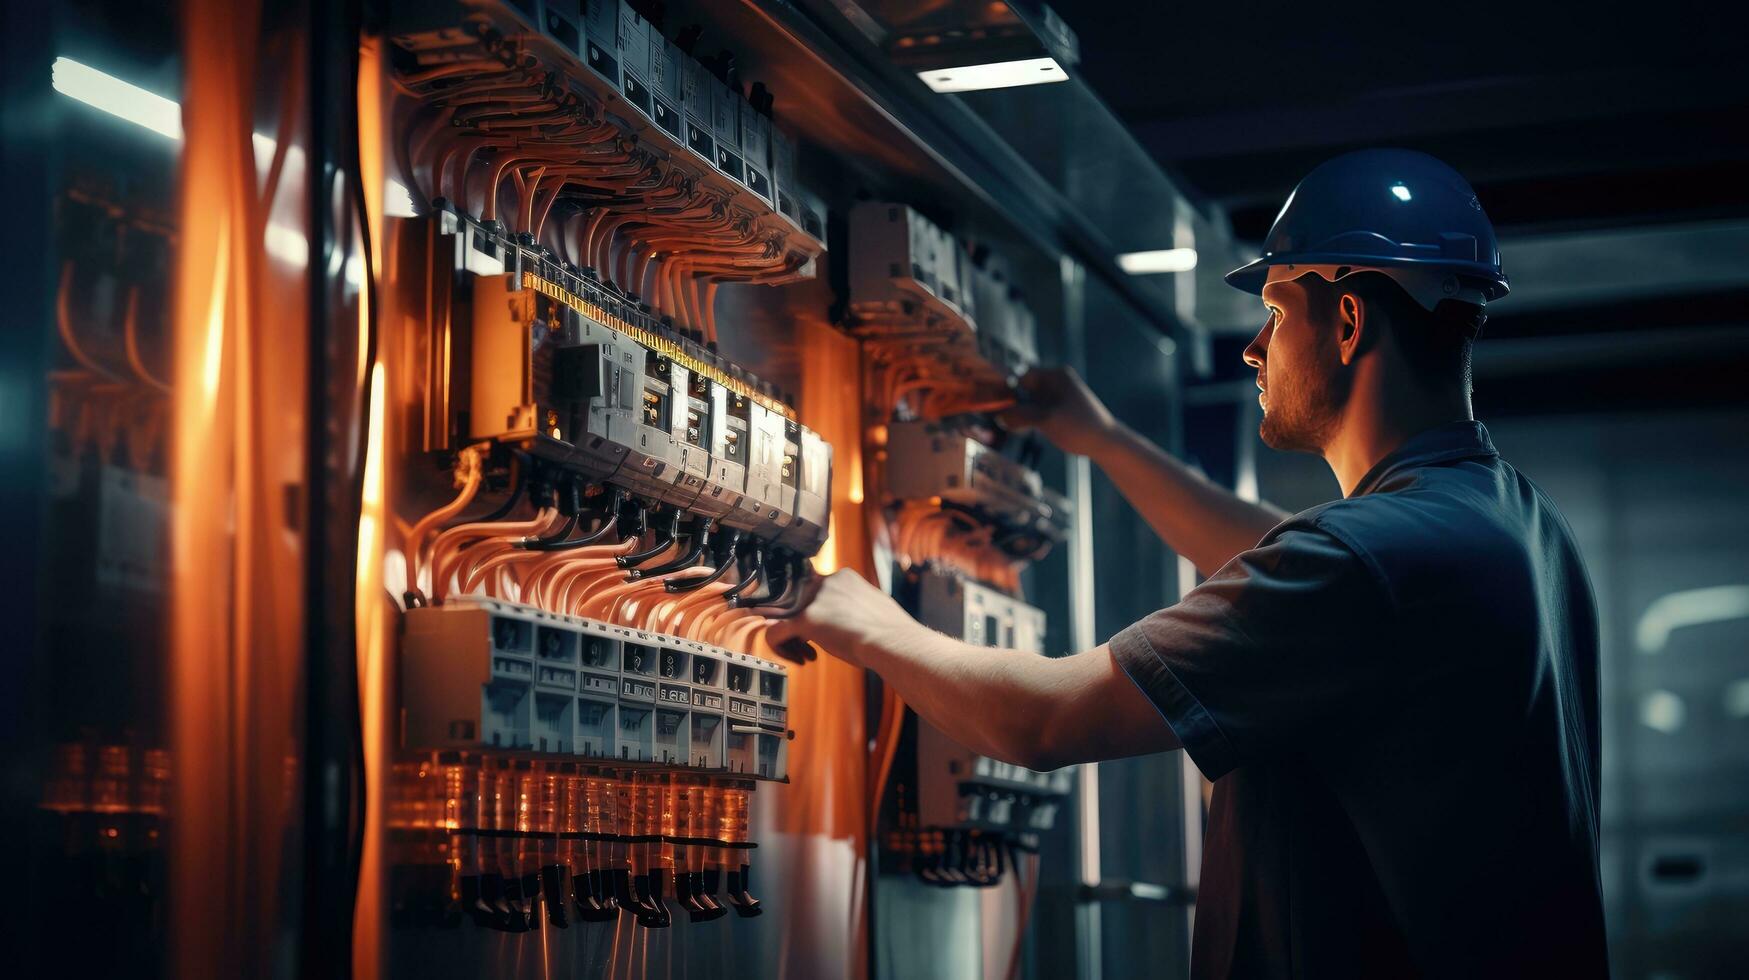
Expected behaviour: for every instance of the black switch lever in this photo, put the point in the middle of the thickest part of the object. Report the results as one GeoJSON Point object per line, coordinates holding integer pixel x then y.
{"type": "Point", "coordinates": [745, 904]}
{"type": "Point", "coordinates": [590, 892]}
{"type": "Point", "coordinates": [475, 904]}
{"type": "Point", "coordinates": [552, 880]}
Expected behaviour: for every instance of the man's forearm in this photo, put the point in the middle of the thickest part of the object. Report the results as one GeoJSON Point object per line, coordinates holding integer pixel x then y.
{"type": "Point", "coordinates": [1198, 519]}
{"type": "Point", "coordinates": [1039, 712]}
{"type": "Point", "coordinates": [979, 697]}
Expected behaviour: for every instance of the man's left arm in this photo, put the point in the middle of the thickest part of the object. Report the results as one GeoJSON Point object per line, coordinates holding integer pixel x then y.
{"type": "Point", "coordinates": [1039, 712]}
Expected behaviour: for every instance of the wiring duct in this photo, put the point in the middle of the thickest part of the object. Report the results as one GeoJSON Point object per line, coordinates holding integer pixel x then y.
{"type": "Point", "coordinates": [449, 555]}
{"type": "Point", "coordinates": [508, 138]}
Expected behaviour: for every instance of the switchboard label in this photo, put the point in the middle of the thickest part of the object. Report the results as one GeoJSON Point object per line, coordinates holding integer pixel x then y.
{"type": "Point", "coordinates": [599, 683]}
{"type": "Point", "coordinates": [661, 345]}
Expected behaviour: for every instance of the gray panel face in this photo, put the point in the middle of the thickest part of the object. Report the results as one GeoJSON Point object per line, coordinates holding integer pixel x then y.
{"type": "Point", "coordinates": [931, 933]}
{"type": "Point", "coordinates": [601, 39]}
{"type": "Point", "coordinates": [756, 151]}
{"type": "Point", "coordinates": [698, 98]}
{"type": "Point", "coordinates": [634, 58]}
{"type": "Point", "coordinates": [666, 77]}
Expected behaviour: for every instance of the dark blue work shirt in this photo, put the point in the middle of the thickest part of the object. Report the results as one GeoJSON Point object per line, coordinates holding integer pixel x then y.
{"type": "Point", "coordinates": [1396, 696]}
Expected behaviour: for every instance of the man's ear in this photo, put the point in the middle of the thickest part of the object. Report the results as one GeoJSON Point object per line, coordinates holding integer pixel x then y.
{"type": "Point", "coordinates": [1354, 327]}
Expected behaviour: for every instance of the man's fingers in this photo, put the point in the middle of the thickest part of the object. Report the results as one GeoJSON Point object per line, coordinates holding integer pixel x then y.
{"type": "Point", "coordinates": [1020, 416]}
{"type": "Point", "coordinates": [782, 631]}
{"type": "Point", "coordinates": [1032, 379]}
{"type": "Point", "coordinates": [791, 625]}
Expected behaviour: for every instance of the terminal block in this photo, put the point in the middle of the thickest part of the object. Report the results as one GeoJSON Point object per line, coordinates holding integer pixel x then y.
{"type": "Point", "coordinates": [1007, 329]}
{"type": "Point", "coordinates": [941, 462]}
{"type": "Point", "coordinates": [955, 786]}
{"type": "Point", "coordinates": [897, 264]}
{"type": "Point", "coordinates": [484, 674]}
{"type": "Point", "coordinates": [920, 298]}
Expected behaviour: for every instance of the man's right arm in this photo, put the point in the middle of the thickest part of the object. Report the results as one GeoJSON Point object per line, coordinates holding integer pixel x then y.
{"type": "Point", "coordinates": [1197, 518]}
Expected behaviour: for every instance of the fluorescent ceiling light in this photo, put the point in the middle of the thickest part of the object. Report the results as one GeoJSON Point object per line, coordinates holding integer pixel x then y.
{"type": "Point", "coordinates": [118, 98]}
{"type": "Point", "coordinates": [1158, 260]}
{"type": "Point", "coordinates": [1001, 74]}
{"type": "Point", "coordinates": [125, 100]}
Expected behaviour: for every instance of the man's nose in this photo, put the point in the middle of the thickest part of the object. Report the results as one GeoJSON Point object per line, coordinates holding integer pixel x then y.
{"type": "Point", "coordinates": [1255, 351]}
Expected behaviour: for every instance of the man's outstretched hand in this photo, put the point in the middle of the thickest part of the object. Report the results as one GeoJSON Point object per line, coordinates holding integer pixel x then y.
{"type": "Point", "coordinates": [846, 616]}
{"type": "Point", "coordinates": [1060, 406]}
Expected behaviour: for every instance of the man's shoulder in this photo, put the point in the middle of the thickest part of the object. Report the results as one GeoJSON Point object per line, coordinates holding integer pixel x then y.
{"type": "Point", "coordinates": [1424, 537]}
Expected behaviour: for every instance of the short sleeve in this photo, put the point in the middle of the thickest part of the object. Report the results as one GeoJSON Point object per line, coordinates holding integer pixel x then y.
{"type": "Point", "coordinates": [1285, 640]}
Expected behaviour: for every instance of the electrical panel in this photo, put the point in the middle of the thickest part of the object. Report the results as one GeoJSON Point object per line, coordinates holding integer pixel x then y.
{"type": "Point", "coordinates": [612, 69]}
{"type": "Point", "coordinates": [956, 788]}
{"type": "Point", "coordinates": [589, 643]}
{"type": "Point", "coordinates": [964, 514]}
{"type": "Point", "coordinates": [895, 268]}
{"type": "Point", "coordinates": [955, 818]}
{"type": "Point", "coordinates": [1007, 329]}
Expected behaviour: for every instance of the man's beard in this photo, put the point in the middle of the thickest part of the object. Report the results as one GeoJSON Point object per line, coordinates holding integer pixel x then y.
{"type": "Point", "coordinates": [1297, 421]}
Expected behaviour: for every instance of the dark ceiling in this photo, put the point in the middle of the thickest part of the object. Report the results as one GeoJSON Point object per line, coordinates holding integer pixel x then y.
{"type": "Point", "coordinates": [1562, 118]}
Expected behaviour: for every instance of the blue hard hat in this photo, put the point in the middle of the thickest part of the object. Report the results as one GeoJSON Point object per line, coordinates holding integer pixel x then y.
{"type": "Point", "coordinates": [1384, 208]}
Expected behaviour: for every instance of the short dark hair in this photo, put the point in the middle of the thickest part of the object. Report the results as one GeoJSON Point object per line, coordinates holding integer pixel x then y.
{"type": "Point", "coordinates": [1438, 344]}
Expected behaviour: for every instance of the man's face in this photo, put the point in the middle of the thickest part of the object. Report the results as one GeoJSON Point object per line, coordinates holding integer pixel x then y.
{"type": "Point", "coordinates": [1298, 377]}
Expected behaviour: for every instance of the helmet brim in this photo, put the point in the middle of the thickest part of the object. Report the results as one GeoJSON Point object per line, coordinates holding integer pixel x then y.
{"type": "Point", "coordinates": [1252, 276]}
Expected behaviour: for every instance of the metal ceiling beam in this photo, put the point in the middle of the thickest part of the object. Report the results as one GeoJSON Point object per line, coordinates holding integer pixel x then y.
{"type": "Point", "coordinates": [1476, 104]}
{"type": "Point", "coordinates": [1589, 268]}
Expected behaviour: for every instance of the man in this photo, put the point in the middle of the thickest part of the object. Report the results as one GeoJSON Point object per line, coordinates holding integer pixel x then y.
{"type": "Point", "coordinates": [1396, 692]}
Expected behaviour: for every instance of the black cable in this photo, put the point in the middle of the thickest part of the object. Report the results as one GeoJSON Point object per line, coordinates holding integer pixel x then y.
{"type": "Point", "coordinates": [701, 540]}
{"type": "Point", "coordinates": [752, 578]}
{"type": "Point", "coordinates": [633, 560]}
{"type": "Point", "coordinates": [725, 559]}
{"type": "Point", "coordinates": [520, 464]}
{"type": "Point", "coordinates": [606, 528]}
{"type": "Point", "coordinates": [557, 537]}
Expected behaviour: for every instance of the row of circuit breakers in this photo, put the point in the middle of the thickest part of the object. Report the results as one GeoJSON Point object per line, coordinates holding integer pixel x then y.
{"type": "Point", "coordinates": [667, 92]}
{"type": "Point", "coordinates": [590, 381]}
{"type": "Point", "coordinates": [484, 673]}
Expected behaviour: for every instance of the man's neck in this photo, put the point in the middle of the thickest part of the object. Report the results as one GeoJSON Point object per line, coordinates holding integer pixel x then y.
{"type": "Point", "coordinates": [1374, 428]}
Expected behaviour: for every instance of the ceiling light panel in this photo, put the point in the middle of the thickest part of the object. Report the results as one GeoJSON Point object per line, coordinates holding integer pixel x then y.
{"type": "Point", "coordinates": [1000, 74]}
